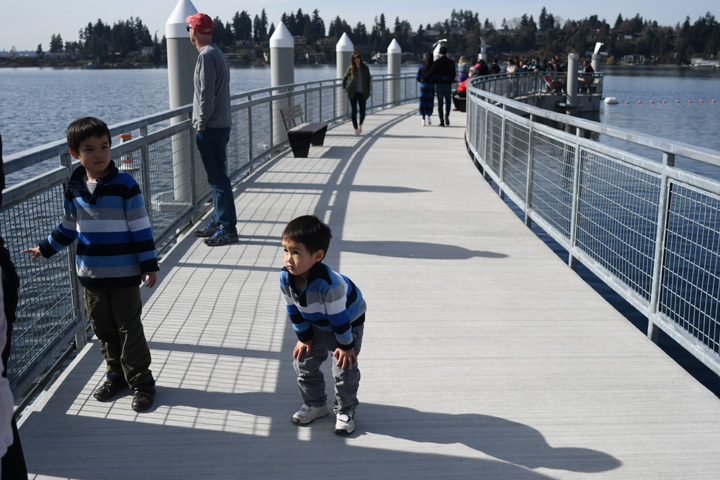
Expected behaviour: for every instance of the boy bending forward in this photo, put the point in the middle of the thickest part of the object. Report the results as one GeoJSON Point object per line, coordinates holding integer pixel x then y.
{"type": "Point", "coordinates": [105, 213]}
{"type": "Point", "coordinates": [328, 313]}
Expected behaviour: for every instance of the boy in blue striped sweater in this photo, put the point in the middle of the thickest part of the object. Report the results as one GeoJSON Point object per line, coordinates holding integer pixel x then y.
{"type": "Point", "coordinates": [105, 214]}
{"type": "Point", "coordinates": [327, 312]}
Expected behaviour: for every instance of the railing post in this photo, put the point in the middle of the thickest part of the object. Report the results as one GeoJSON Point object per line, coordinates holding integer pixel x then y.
{"type": "Point", "coordinates": [529, 173]}
{"type": "Point", "coordinates": [76, 291]}
{"type": "Point", "coordinates": [145, 166]}
{"type": "Point", "coordinates": [501, 168]}
{"type": "Point", "coordinates": [660, 237]}
{"type": "Point", "coordinates": [250, 134]}
{"type": "Point", "coordinates": [574, 214]}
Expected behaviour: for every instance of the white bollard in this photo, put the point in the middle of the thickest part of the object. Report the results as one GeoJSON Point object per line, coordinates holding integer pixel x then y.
{"type": "Point", "coordinates": [436, 52]}
{"type": "Point", "coordinates": [282, 72]}
{"type": "Point", "coordinates": [182, 57]}
{"type": "Point", "coordinates": [394, 53]}
{"type": "Point", "coordinates": [343, 50]}
{"type": "Point", "coordinates": [572, 79]}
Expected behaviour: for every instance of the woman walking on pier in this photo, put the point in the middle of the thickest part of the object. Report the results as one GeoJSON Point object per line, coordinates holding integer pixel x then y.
{"type": "Point", "coordinates": [358, 86]}
{"type": "Point", "coordinates": [427, 90]}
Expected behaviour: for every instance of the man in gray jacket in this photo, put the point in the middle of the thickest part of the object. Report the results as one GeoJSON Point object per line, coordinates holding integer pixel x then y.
{"type": "Point", "coordinates": [212, 118]}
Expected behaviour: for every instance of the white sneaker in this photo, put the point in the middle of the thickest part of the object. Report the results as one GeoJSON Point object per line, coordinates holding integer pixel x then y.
{"type": "Point", "coordinates": [307, 414]}
{"type": "Point", "coordinates": [429, 121]}
{"type": "Point", "coordinates": [344, 423]}
{"type": "Point", "coordinates": [423, 122]}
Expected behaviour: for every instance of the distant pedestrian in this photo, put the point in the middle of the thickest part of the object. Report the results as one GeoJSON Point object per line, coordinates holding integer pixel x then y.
{"type": "Point", "coordinates": [443, 74]}
{"type": "Point", "coordinates": [463, 69]}
{"type": "Point", "coordinates": [587, 78]}
{"type": "Point", "coordinates": [105, 214]}
{"type": "Point", "coordinates": [212, 118]}
{"type": "Point", "coordinates": [494, 67]}
{"type": "Point", "coordinates": [358, 86]}
{"type": "Point", "coordinates": [427, 91]}
{"type": "Point", "coordinates": [327, 312]}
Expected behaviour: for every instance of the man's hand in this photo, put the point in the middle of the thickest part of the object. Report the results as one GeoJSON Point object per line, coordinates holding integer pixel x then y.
{"type": "Point", "coordinates": [345, 358]}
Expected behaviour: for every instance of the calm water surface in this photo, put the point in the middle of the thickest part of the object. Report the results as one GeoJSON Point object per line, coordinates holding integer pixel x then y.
{"type": "Point", "coordinates": [39, 103]}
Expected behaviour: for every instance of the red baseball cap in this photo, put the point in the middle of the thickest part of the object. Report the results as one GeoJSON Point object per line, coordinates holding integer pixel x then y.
{"type": "Point", "coordinates": [201, 23]}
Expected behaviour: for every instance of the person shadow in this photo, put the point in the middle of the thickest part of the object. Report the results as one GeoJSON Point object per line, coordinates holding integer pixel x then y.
{"type": "Point", "coordinates": [503, 439]}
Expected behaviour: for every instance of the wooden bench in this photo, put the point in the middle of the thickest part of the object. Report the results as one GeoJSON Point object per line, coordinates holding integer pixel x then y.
{"type": "Point", "coordinates": [302, 134]}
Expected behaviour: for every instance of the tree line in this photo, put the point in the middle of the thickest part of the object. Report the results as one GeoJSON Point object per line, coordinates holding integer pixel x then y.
{"type": "Point", "coordinates": [464, 30]}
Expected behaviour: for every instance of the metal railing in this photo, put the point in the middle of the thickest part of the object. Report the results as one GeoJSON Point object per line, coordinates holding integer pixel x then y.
{"type": "Point", "coordinates": [526, 85]}
{"type": "Point", "coordinates": [162, 156]}
{"type": "Point", "coordinates": [648, 229]}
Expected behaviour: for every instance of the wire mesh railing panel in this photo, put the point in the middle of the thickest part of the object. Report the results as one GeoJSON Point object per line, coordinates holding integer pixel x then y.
{"type": "Point", "coordinates": [171, 180]}
{"type": "Point", "coordinates": [45, 297]}
{"type": "Point", "coordinates": [617, 219]}
{"type": "Point", "coordinates": [552, 180]}
{"type": "Point", "coordinates": [517, 145]}
{"type": "Point", "coordinates": [493, 141]}
{"type": "Point", "coordinates": [261, 131]}
{"type": "Point", "coordinates": [690, 292]}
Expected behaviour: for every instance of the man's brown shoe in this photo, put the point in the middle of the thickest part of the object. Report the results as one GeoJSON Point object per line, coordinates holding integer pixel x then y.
{"type": "Point", "coordinates": [143, 397]}
{"type": "Point", "coordinates": [108, 389]}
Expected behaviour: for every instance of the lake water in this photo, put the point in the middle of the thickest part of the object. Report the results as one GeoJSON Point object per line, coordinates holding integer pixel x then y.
{"type": "Point", "coordinates": [39, 103]}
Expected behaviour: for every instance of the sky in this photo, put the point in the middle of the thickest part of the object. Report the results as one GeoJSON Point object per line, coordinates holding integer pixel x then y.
{"type": "Point", "coordinates": [32, 22]}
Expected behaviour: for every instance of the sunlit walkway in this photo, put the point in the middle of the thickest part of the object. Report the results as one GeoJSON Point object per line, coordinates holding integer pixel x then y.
{"type": "Point", "coordinates": [484, 355]}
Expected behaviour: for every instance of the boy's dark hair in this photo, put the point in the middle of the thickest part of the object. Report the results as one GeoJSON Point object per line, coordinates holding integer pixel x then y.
{"type": "Point", "coordinates": [310, 231]}
{"type": "Point", "coordinates": [84, 128]}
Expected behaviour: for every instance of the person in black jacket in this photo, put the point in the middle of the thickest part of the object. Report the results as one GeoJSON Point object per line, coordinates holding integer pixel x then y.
{"type": "Point", "coordinates": [443, 74]}
{"type": "Point", "coordinates": [13, 462]}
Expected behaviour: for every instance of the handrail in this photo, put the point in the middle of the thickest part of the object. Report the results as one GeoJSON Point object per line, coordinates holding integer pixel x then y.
{"type": "Point", "coordinates": [163, 158]}
{"type": "Point", "coordinates": [645, 227]}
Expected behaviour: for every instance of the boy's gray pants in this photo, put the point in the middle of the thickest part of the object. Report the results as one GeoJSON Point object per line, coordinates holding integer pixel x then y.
{"type": "Point", "coordinates": [312, 382]}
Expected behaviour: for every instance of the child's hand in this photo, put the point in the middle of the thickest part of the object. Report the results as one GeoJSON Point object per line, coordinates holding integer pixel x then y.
{"type": "Point", "coordinates": [150, 278]}
{"type": "Point", "coordinates": [35, 252]}
{"type": "Point", "coordinates": [345, 358]}
{"type": "Point", "coordinates": [301, 347]}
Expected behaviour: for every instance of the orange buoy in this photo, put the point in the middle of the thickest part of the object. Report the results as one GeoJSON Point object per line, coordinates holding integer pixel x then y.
{"type": "Point", "coordinates": [677, 101]}
{"type": "Point", "coordinates": [664, 101]}
{"type": "Point", "coordinates": [652, 101]}
{"type": "Point", "coordinates": [626, 102]}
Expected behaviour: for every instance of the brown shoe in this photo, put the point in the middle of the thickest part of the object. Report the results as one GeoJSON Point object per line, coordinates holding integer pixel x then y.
{"type": "Point", "coordinates": [143, 397]}
{"type": "Point", "coordinates": [108, 389]}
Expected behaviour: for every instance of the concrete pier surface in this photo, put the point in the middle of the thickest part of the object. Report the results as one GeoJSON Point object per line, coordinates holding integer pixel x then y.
{"type": "Point", "coordinates": [484, 355]}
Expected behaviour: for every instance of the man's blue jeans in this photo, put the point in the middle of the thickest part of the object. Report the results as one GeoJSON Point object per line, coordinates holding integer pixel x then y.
{"type": "Point", "coordinates": [444, 93]}
{"type": "Point", "coordinates": [212, 144]}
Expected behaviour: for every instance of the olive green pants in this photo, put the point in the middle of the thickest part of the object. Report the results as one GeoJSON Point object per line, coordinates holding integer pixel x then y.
{"type": "Point", "coordinates": [115, 318]}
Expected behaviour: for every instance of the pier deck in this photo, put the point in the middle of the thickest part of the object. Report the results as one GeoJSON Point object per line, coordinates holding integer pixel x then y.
{"type": "Point", "coordinates": [484, 355]}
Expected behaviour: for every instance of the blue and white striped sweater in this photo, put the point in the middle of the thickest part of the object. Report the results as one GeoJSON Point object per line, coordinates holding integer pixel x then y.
{"type": "Point", "coordinates": [329, 301]}
{"type": "Point", "coordinates": [114, 239]}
